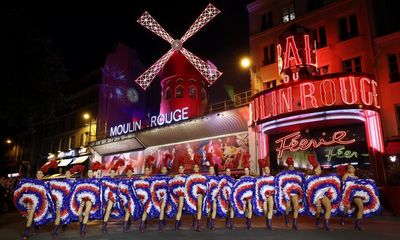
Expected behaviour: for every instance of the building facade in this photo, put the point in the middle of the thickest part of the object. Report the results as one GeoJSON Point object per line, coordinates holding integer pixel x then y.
{"type": "Point", "coordinates": [350, 37]}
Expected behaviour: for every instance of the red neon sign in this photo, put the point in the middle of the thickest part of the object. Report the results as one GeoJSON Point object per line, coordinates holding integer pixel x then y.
{"type": "Point", "coordinates": [335, 91]}
{"type": "Point", "coordinates": [295, 52]}
{"type": "Point", "coordinates": [293, 143]}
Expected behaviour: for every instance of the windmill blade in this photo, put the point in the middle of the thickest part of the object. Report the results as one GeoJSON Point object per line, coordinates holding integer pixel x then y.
{"type": "Point", "coordinates": [145, 79]}
{"type": "Point", "coordinates": [209, 13]}
{"type": "Point", "coordinates": [209, 72]}
{"type": "Point", "coordinates": [147, 21]}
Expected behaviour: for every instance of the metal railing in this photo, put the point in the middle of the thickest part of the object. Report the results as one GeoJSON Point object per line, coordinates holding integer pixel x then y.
{"type": "Point", "coordinates": [240, 99]}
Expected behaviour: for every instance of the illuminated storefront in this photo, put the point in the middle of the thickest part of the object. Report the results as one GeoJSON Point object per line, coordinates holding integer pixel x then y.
{"type": "Point", "coordinates": [334, 117]}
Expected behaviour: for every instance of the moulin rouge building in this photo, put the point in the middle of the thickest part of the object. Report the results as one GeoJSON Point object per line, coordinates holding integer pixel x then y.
{"type": "Point", "coordinates": [333, 117]}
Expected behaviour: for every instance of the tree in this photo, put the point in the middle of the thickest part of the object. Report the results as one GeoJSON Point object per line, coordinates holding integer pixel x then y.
{"type": "Point", "coordinates": [31, 74]}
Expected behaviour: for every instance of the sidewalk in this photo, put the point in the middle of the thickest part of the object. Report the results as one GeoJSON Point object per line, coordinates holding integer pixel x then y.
{"type": "Point", "coordinates": [381, 228]}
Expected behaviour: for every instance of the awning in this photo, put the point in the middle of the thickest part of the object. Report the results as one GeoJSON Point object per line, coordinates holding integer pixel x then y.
{"type": "Point", "coordinates": [216, 124]}
{"type": "Point", "coordinates": [117, 145]}
{"type": "Point", "coordinates": [80, 159]}
{"type": "Point", "coordinates": [393, 148]}
{"type": "Point", "coordinates": [65, 162]}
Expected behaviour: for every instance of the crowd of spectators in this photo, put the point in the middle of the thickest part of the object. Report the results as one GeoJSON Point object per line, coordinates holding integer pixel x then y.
{"type": "Point", "coordinates": [7, 186]}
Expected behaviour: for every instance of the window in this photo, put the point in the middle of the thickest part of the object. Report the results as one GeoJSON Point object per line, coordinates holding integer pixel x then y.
{"type": "Point", "coordinates": [82, 140]}
{"type": "Point", "coordinates": [179, 92]}
{"type": "Point", "coordinates": [60, 144]}
{"type": "Point", "coordinates": [320, 36]}
{"type": "Point", "coordinates": [203, 94]}
{"type": "Point", "coordinates": [348, 27]}
{"type": "Point", "coordinates": [269, 54]}
{"type": "Point", "coordinates": [168, 94]}
{"type": "Point", "coordinates": [269, 84]}
{"type": "Point", "coordinates": [192, 92]}
{"type": "Point", "coordinates": [288, 13]}
{"type": "Point", "coordinates": [323, 70]}
{"type": "Point", "coordinates": [266, 20]}
{"type": "Point", "coordinates": [352, 65]}
{"type": "Point", "coordinates": [315, 4]}
{"type": "Point", "coordinates": [72, 142]}
{"type": "Point", "coordinates": [398, 117]}
{"type": "Point", "coordinates": [393, 68]}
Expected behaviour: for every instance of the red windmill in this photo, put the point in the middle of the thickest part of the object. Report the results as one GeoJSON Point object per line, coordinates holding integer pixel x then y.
{"type": "Point", "coordinates": [182, 84]}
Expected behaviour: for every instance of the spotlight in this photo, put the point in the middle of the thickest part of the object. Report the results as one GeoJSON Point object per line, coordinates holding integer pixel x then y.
{"type": "Point", "coordinates": [393, 158]}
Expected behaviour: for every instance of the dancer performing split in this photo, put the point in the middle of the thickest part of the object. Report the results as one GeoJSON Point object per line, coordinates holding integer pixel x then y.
{"type": "Point", "coordinates": [160, 195]}
{"type": "Point", "coordinates": [196, 188]}
{"type": "Point", "coordinates": [142, 191]}
{"type": "Point", "coordinates": [360, 192]}
{"type": "Point", "coordinates": [264, 193]}
{"type": "Point", "coordinates": [60, 193]}
{"type": "Point", "coordinates": [289, 192]}
{"type": "Point", "coordinates": [110, 197]}
{"type": "Point", "coordinates": [32, 199]}
{"type": "Point", "coordinates": [210, 203]}
{"type": "Point", "coordinates": [128, 200]}
{"type": "Point", "coordinates": [323, 194]}
{"type": "Point", "coordinates": [243, 193]}
{"type": "Point", "coordinates": [177, 193]}
{"type": "Point", "coordinates": [224, 204]}
{"type": "Point", "coordinates": [85, 203]}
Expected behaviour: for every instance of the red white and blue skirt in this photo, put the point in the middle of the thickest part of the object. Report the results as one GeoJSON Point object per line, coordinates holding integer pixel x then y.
{"type": "Point", "coordinates": [128, 198]}
{"type": "Point", "coordinates": [142, 191]}
{"type": "Point", "coordinates": [37, 195]}
{"type": "Point", "coordinates": [176, 190]}
{"type": "Point", "coordinates": [225, 186]}
{"type": "Point", "coordinates": [60, 192]}
{"type": "Point", "coordinates": [364, 189]}
{"type": "Point", "coordinates": [85, 189]}
{"type": "Point", "coordinates": [243, 191]}
{"type": "Point", "coordinates": [109, 192]}
{"type": "Point", "coordinates": [211, 195]}
{"type": "Point", "coordinates": [195, 185]}
{"type": "Point", "coordinates": [159, 189]}
{"type": "Point", "coordinates": [318, 187]}
{"type": "Point", "coordinates": [264, 188]}
{"type": "Point", "coordinates": [287, 184]}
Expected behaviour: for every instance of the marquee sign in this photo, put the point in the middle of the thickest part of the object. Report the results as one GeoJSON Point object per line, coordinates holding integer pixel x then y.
{"type": "Point", "coordinates": [331, 90]}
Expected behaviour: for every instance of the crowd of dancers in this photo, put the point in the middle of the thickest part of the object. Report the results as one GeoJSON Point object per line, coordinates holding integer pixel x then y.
{"type": "Point", "coordinates": [161, 196]}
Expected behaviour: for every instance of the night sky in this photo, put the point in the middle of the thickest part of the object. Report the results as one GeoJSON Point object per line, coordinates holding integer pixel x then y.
{"type": "Point", "coordinates": [83, 37]}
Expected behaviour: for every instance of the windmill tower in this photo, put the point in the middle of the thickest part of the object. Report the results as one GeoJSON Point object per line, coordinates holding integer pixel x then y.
{"type": "Point", "coordinates": [185, 77]}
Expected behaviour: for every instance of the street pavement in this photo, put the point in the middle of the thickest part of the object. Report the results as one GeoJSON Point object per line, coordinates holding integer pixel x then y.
{"type": "Point", "coordinates": [380, 227]}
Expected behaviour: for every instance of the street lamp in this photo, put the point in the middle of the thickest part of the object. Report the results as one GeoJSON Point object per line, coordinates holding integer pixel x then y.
{"type": "Point", "coordinates": [87, 116]}
{"type": "Point", "coordinates": [8, 141]}
{"type": "Point", "coordinates": [245, 62]}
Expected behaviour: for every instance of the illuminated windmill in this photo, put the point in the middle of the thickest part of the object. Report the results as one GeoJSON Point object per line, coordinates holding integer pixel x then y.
{"type": "Point", "coordinates": [207, 70]}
